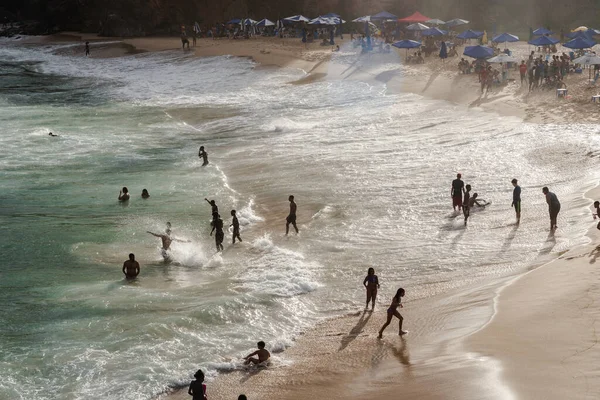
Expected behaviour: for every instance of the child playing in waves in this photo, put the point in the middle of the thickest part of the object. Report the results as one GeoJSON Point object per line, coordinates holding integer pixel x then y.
{"type": "Point", "coordinates": [197, 388]}
{"type": "Point", "coordinates": [262, 355]}
{"type": "Point", "coordinates": [392, 311]}
{"type": "Point", "coordinates": [371, 282]}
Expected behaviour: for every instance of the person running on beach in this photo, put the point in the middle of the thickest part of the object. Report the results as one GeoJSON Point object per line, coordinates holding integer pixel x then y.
{"type": "Point", "coordinates": [291, 218]}
{"type": "Point", "coordinates": [145, 194]}
{"type": "Point", "coordinates": [523, 71]}
{"type": "Point", "coordinates": [167, 240]}
{"type": "Point", "coordinates": [131, 268]}
{"type": "Point", "coordinates": [458, 188]}
{"type": "Point", "coordinates": [197, 388]}
{"type": "Point", "coordinates": [217, 224]}
{"type": "Point", "coordinates": [553, 207]}
{"type": "Point", "coordinates": [371, 282]}
{"type": "Point", "coordinates": [213, 206]}
{"type": "Point", "coordinates": [466, 201]}
{"type": "Point", "coordinates": [204, 155]}
{"type": "Point", "coordinates": [516, 203]}
{"type": "Point", "coordinates": [392, 311]}
{"type": "Point", "coordinates": [124, 194]}
{"type": "Point", "coordinates": [87, 49]}
{"type": "Point", "coordinates": [236, 227]}
{"type": "Point", "coordinates": [261, 354]}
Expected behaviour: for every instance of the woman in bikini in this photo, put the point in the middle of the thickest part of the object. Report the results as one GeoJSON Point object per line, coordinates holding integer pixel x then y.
{"type": "Point", "coordinates": [392, 311]}
{"type": "Point", "coordinates": [371, 282]}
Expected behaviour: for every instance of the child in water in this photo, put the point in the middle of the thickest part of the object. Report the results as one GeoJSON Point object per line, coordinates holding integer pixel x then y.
{"type": "Point", "coordinates": [197, 388]}
{"type": "Point", "coordinates": [393, 311]}
{"type": "Point", "coordinates": [371, 282]}
{"type": "Point", "coordinates": [262, 355]}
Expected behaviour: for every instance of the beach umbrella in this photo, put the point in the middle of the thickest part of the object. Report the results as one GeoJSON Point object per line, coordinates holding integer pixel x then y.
{"type": "Point", "coordinates": [542, 31]}
{"type": "Point", "coordinates": [469, 34]}
{"type": "Point", "coordinates": [582, 34]}
{"type": "Point", "coordinates": [588, 59]}
{"type": "Point", "coordinates": [407, 44]}
{"type": "Point", "coordinates": [435, 22]}
{"type": "Point", "coordinates": [249, 22]}
{"type": "Point", "coordinates": [366, 18]}
{"type": "Point", "coordinates": [434, 32]}
{"type": "Point", "coordinates": [296, 18]}
{"type": "Point", "coordinates": [234, 21]}
{"type": "Point", "coordinates": [444, 51]}
{"type": "Point", "coordinates": [456, 22]}
{"type": "Point", "coordinates": [265, 22]}
{"type": "Point", "coordinates": [580, 29]}
{"type": "Point", "coordinates": [505, 37]}
{"type": "Point", "coordinates": [417, 27]}
{"type": "Point", "coordinates": [502, 58]}
{"type": "Point", "coordinates": [415, 18]}
{"type": "Point", "coordinates": [580, 43]}
{"type": "Point", "coordinates": [384, 15]}
{"type": "Point", "coordinates": [478, 51]}
{"type": "Point", "coordinates": [543, 41]}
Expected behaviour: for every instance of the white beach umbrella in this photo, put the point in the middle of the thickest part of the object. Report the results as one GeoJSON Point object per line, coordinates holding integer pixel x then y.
{"type": "Point", "coordinates": [435, 21]}
{"type": "Point", "coordinates": [366, 18]}
{"type": "Point", "coordinates": [502, 58]}
{"type": "Point", "coordinates": [417, 27]}
{"type": "Point", "coordinates": [588, 59]}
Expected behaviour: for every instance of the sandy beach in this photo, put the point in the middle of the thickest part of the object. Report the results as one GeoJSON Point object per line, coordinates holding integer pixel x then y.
{"type": "Point", "coordinates": [531, 336]}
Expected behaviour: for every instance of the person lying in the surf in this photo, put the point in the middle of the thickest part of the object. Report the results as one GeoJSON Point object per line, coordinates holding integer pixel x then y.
{"type": "Point", "coordinates": [262, 355]}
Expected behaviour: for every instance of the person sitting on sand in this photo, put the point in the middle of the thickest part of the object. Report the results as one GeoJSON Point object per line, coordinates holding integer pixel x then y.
{"type": "Point", "coordinates": [124, 194]}
{"type": "Point", "coordinates": [145, 194]}
{"type": "Point", "coordinates": [131, 268]}
{"type": "Point", "coordinates": [197, 388]}
{"type": "Point", "coordinates": [371, 282]}
{"type": "Point", "coordinates": [262, 355]}
{"type": "Point", "coordinates": [392, 311]}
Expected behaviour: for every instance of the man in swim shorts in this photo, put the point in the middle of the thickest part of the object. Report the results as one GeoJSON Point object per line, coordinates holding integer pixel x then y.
{"type": "Point", "coordinates": [213, 205]}
{"type": "Point", "coordinates": [553, 207]}
{"type": "Point", "coordinates": [166, 241]}
{"type": "Point", "coordinates": [291, 218]}
{"type": "Point", "coordinates": [516, 203]}
{"type": "Point", "coordinates": [262, 355]}
{"type": "Point", "coordinates": [458, 188]}
{"type": "Point", "coordinates": [236, 227]}
{"type": "Point", "coordinates": [217, 224]}
{"type": "Point", "coordinates": [131, 268]}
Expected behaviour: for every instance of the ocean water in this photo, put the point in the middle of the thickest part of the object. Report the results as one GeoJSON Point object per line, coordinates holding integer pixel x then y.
{"type": "Point", "coordinates": [370, 169]}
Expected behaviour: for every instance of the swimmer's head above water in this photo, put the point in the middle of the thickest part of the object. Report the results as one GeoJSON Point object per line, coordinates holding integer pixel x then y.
{"type": "Point", "coordinates": [125, 190]}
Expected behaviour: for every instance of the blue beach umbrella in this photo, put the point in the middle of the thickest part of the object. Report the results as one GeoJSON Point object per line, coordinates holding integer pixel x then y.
{"type": "Point", "coordinates": [470, 34]}
{"type": "Point", "coordinates": [582, 34]}
{"type": "Point", "coordinates": [543, 41]}
{"type": "Point", "coordinates": [234, 21]}
{"type": "Point", "coordinates": [478, 51]}
{"type": "Point", "coordinates": [332, 15]}
{"type": "Point", "coordinates": [443, 51]}
{"type": "Point", "coordinates": [407, 44]}
{"type": "Point", "coordinates": [265, 22]}
{"type": "Point", "coordinates": [384, 15]}
{"type": "Point", "coordinates": [542, 31]}
{"type": "Point", "coordinates": [434, 32]}
{"type": "Point", "coordinates": [296, 18]}
{"type": "Point", "coordinates": [505, 37]}
{"type": "Point", "coordinates": [580, 43]}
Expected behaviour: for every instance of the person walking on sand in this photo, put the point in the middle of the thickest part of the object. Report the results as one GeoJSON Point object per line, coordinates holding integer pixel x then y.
{"type": "Point", "coordinates": [204, 155]}
{"type": "Point", "coordinates": [553, 207]}
{"type": "Point", "coordinates": [197, 388]}
{"type": "Point", "coordinates": [236, 227]}
{"type": "Point", "coordinates": [291, 218]}
{"type": "Point", "coordinates": [131, 268]}
{"type": "Point", "coordinates": [213, 206]}
{"type": "Point", "coordinates": [466, 201]}
{"type": "Point", "coordinates": [458, 188]}
{"type": "Point", "coordinates": [217, 224]}
{"type": "Point", "coordinates": [392, 311]}
{"type": "Point", "coordinates": [516, 203]}
{"type": "Point", "coordinates": [261, 354]}
{"type": "Point", "coordinates": [371, 283]}
{"type": "Point", "coordinates": [124, 194]}
{"type": "Point", "coordinates": [87, 49]}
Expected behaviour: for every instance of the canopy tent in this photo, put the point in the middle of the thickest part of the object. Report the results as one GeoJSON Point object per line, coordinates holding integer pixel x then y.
{"type": "Point", "coordinates": [234, 21]}
{"type": "Point", "coordinates": [580, 43]}
{"type": "Point", "coordinates": [470, 34]}
{"type": "Point", "coordinates": [434, 32]}
{"type": "Point", "coordinates": [326, 21]}
{"type": "Point", "coordinates": [542, 31]}
{"type": "Point", "coordinates": [296, 18]}
{"type": "Point", "coordinates": [417, 27]}
{"type": "Point", "coordinates": [265, 22]}
{"type": "Point", "coordinates": [456, 22]}
{"type": "Point", "coordinates": [478, 51]}
{"type": "Point", "coordinates": [435, 22]}
{"type": "Point", "coordinates": [416, 17]}
{"type": "Point", "coordinates": [505, 37]}
{"type": "Point", "coordinates": [543, 41]}
{"type": "Point", "coordinates": [383, 16]}
{"type": "Point", "coordinates": [502, 58]}
{"type": "Point", "coordinates": [366, 18]}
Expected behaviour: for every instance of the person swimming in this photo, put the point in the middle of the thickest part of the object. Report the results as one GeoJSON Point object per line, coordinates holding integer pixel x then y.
{"type": "Point", "coordinates": [204, 155]}
{"type": "Point", "coordinates": [52, 134]}
{"type": "Point", "coordinates": [124, 194]}
{"type": "Point", "coordinates": [145, 194]}
{"type": "Point", "coordinates": [262, 355]}
{"type": "Point", "coordinates": [371, 282]}
{"type": "Point", "coordinates": [167, 240]}
{"type": "Point", "coordinates": [392, 311]}
{"type": "Point", "coordinates": [131, 268]}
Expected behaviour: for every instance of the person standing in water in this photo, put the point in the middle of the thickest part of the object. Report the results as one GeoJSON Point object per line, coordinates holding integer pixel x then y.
{"type": "Point", "coordinates": [204, 155]}
{"type": "Point", "coordinates": [516, 203]}
{"type": "Point", "coordinates": [213, 206]}
{"type": "Point", "coordinates": [87, 49]}
{"type": "Point", "coordinates": [553, 207]}
{"type": "Point", "coordinates": [197, 388]}
{"type": "Point", "coordinates": [217, 224]}
{"type": "Point", "coordinates": [392, 311]}
{"type": "Point", "coordinates": [236, 227]}
{"type": "Point", "coordinates": [291, 218]}
{"type": "Point", "coordinates": [145, 194]}
{"type": "Point", "coordinates": [131, 268]}
{"type": "Point", "coordinates": [124, 194]}
{"type": "Point", "coordinates": [371, 283]}
{"type": "Point", "coordinates": [167, 240]}
{"type": "Point", "coordinates": [458, 188]}
{"type": "Point", "coordinates": [466, 201]}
